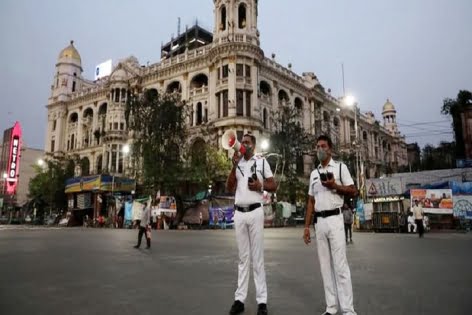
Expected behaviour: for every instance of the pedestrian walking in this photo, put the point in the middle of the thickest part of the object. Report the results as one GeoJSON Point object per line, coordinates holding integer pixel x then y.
{"type": "Point", "coordinates": [348, 215]}
{"type": "Point", "coordinates": [144, 226]}
{"type": "Point", "coordinates": [329, 183]}
{"type": "Point", "coordinates": [418, 215]}
{"type": "Point", "coordinates": [249, 178]}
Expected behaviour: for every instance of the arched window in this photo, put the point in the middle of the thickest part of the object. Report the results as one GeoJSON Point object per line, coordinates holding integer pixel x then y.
{"type": "Point", "coordinates": [85, 166]}
{"type": "Point", "coordinates": [298, 104]}
{"type": "Point", "coordinates": [242, 16]}
{"type": "Point", "coordinates": [223, 18]}
{"type": "Point", "coordinates": [199, 113]}
{"type": "Point", "coordinates": [283, 97]}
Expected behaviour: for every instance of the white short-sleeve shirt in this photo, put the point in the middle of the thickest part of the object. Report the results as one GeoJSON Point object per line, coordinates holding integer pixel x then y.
{"type": "Point", "coordinates": [327, 199]}
{"type": "Point", "coordinates": [244, 170]}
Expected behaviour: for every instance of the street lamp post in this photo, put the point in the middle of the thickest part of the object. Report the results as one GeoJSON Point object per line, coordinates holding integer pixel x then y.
{"type": "Point", "coordinates": [350, 101]}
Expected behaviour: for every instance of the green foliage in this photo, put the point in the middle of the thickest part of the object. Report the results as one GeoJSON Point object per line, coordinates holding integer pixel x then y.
{"type": "Point", "coordinates": [207, 165]}
{"type": "Point", "coordinates": [454, 108]}
{"type": "Point", "coordinates": [47, 188]}
{"type": "Point", "coordinates": [292, 142]}
{"type": "Point", "coordinates": [159, 134]}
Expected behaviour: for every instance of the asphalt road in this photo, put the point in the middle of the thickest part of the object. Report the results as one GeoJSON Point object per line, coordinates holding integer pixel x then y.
{"type": "Point", "coordinates": [96, 271]}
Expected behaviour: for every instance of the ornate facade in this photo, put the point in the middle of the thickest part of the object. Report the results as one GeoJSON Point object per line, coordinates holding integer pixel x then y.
{"type": "Point", "coordinates": [228, 83]}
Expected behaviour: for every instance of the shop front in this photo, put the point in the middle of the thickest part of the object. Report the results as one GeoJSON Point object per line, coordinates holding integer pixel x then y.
{"type": "Point", "coordinates": [93, 198]}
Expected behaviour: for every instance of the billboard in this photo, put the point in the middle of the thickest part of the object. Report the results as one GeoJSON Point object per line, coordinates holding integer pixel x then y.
{"type": "Point", "coordinates": [384, 187]}
{"type": "Point", "coordinates": [438, 201]}
{"type": "Point", "coordinates": [103, 69]}
{"type": "Point", "coordinates": [13, 166]}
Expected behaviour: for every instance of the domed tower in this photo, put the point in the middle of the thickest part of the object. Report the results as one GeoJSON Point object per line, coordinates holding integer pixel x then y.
{"type": "Point", "coordinates": [236, 20]}
{"type": "Point", "coordinates": [68, 73]}
{"type": "Point", "coordinates": [389, 114]}
{"type": "Point", "coordinates": [235, 67]}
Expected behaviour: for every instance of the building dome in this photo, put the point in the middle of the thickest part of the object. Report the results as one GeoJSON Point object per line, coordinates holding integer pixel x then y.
{"type": "Point", "coordinates": [119, 75]}
{"type": "Point", "coordinates": [388, 106]}
{"type": "Point", "coordinates": [70, 52]}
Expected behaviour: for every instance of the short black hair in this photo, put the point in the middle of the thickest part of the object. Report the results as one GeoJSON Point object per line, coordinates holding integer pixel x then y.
{"type": "Point", "coordinates": [253, 138]}
{"type": "Point", "coordinates": [327, 139]}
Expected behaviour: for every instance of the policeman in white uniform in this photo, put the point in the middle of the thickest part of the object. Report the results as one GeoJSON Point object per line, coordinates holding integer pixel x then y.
{"type": "Point", "coordinates": [249, 178]}
{"type": "Point", "coordinates": [329, 182]}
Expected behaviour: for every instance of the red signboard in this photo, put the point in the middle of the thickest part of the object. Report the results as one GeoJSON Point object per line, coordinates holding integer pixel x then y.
{"type": "Point", "coordinates": [13, 166]}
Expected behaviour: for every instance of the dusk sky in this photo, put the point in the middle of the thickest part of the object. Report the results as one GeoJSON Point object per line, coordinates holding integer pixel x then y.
{"type": "Point", "coordinates": [414, 52]}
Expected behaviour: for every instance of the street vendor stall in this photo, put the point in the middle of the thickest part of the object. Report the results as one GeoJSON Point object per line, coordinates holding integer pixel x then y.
{"type": "Point", "coordinates": [94, 196]}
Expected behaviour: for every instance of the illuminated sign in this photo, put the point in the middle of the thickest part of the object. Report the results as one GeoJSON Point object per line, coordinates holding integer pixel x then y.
{"type": "Point", "coordinates": [103, 69]}
{"type": "Point", "coordinates": [14, 160]}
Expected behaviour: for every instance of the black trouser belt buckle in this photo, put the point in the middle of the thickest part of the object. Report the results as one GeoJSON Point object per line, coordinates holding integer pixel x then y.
{"type": "Point", "coordinates": [249, 208]}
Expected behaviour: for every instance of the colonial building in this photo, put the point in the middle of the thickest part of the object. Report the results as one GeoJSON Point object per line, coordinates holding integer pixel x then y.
{"type": "Point", "coordinates": [228, 83]}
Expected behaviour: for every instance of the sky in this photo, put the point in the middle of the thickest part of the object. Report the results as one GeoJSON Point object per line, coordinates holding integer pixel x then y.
{"type": "Point", "coordinates": [414, 52]}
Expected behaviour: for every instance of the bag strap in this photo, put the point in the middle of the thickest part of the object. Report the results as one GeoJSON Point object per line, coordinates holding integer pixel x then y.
{"type": "Point", "coordinates": [340, 173]}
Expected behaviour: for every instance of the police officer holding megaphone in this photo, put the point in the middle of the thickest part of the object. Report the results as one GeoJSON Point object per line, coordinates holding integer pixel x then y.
{"type": "Point", "coordinates": [249, 178]}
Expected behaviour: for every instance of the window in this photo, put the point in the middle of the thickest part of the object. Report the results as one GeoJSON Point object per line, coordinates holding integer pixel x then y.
{"type": "Point", "coordinates": [239, 70]}
{"type": "Point", "coordinates": [239, 102]}
{"type": "Point", "coordinates": [223, 19]}
{"type": "Point", "coordinates": [117, 95]}
{"type": "Point", "coordinates": [205, 118]}
{"type": "Point", "coordinates": [52, 145]}
{"type": "Point", "coordinates": [264, 118]}
{"type": "Point", "coordinates": [242, 15]}
{"type": "Point", "coordinates": [199, 114]}
{"type": "Point", "coordinates": [122, 126]}
{"type": "Point", "coordinates": [218, 104]}
{"type": "Point", "coordinates": [248, 71]}
{"type": "Point", "coordinates": [218, 71]}
{"type": "Point", "coordinates": [73, 86]}
{"type": "Point", "coordinates": [54, 123]}
{"type": "Point", "coordinates": [225, 71]}
{"type": "Point", "coordinates": [248, 103]}
{"type": "Point", "coordinates": [110, 126]}
{"type": "Point", "coordinates": [115, 126]}
{"type": "Point", "coordinates": [225, 103]}
{"type": "Point", "coordinates": [72, 142]}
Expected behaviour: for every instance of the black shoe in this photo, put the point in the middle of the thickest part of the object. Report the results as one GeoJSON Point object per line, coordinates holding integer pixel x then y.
{"type": "Point", "coordinates": [148, 247]}
{"type": "Point", "coordinates": [236, 308]}
{"type": "Point", "coordinates": [136, 246]}
{"type": "Point", "coordinates": [262, 309]}
{"type": "Point", "coordinates": [326, 313]}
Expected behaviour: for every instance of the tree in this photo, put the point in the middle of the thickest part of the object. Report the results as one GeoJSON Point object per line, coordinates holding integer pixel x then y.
{"type": "Point", "coordinates": [436, 158]}
{"type": "Point", "coordinates": [292, 142]}
{"type": "Point", "coordinates": [207, 165]}
{"type": "Point", "coordinates": [47, 188]}
{"type": "Point", "coordinates": [157, 124]}
{"type": "Point", "coordinates": [454, 108]}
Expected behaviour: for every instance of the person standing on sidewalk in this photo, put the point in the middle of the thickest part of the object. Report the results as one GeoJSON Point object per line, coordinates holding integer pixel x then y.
{"type": "Point", "coordinates": [348, 215]}
{"type": "Point", "coordinates": [144, 225]}
{"type": "Point", "coordinates": [329, 182]}
{"type": "Point", "coordinates": [249, 178]}
{"type": "Point", "coordinates": [418, 214]}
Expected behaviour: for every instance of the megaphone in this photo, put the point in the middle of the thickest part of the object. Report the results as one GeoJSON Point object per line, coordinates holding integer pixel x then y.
{"type": "Point", "coordinates": [230, 141]}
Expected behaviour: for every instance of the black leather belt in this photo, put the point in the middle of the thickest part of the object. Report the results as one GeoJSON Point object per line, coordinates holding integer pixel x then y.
{"type": "Point", "coordinates": [327, 213]}
{"type": "Point", "coordinates": [249, 208]}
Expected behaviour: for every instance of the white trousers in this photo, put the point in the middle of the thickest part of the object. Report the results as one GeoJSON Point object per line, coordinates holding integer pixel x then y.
{"type": "Point", "coordinates": [333, 262]}
{"type": "Point", "coordinates": [249, 227]}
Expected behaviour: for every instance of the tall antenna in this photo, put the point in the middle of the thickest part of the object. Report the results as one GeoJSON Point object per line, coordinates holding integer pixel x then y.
{"type": "Point", "coordinates": [178, 27]}
{"type": "Point", "coordinates": [342, 70]}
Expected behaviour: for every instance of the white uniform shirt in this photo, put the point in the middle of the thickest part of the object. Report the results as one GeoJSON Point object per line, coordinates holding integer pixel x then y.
{"type": "Point", "coordinates": [417, 212]}
{"type": "Point", "coordinates": [326, 199]}
{"type": "Point", "coordinates": [244, 170]}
